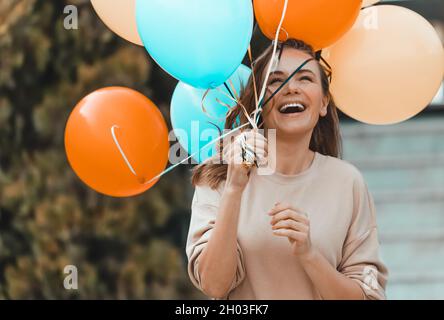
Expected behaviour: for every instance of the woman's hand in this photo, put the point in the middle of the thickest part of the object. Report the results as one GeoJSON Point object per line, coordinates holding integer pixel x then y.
{"type": "Point", "coordinates": [293, 223]}
{"type": "Point", "coordinates": [238, 174]}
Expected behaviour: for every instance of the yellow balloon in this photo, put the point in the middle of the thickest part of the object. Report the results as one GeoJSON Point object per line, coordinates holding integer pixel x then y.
{"type": "Point", "coordinates": [120, 17]}
{"type": "Point", "coordinates": [388, 67]}
{"type": "Point", "coordinates": [366, 3]}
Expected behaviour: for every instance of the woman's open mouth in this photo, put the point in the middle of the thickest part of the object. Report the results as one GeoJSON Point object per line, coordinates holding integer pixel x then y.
{"type": "Point", "coordinates": [292, 108]}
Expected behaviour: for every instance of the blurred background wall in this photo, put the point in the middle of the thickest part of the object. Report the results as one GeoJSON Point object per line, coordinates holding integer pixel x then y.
{"type": "Point", "coordinates": [123, 248]}
{"type": "Point", "coordinates": [135, 248]}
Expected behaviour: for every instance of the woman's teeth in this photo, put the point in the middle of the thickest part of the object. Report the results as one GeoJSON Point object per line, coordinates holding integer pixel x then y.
{"type": "Point", "coordinates": [292, 108]}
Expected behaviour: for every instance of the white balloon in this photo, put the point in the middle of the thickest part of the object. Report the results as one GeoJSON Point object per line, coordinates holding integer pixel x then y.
{"type": "Point", "coordinates": [366, 3]}
{"type": "Point", "coordinates": [120, 17]}
{"type": "Point", "coordinates": [386, 70]}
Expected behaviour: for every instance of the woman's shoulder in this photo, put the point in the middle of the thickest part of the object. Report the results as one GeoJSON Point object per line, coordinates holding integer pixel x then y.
{"type": "Point", "coordinates": [341, 168]}
{"type": "Point", "coordinates": [204, 192]}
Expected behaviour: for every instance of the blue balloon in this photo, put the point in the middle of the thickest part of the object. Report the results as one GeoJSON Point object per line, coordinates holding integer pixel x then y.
{"type": "Point", "coordinates": [195, 128]}
{"type": "Point", "coordinates": [199, 42]}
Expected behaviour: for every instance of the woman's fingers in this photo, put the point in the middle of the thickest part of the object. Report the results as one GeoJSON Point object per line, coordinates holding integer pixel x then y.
{"type": "Point", "coordinates": [257, 142]}
{"type": "Point", "coordinates": [281, 206]}
{"type": "Point", "coordinates": [232, 152]}
{"type": "Point", "coordinates": [254, 142]}
{"type": "Point", "coordinates": [290, 224]}
{"type": "Point", "coordinates": [254, 134]}
{"type": "Point", "coordinates": [291, 234]}
{"type": "Point", "coordinates": [233, 156]}
{"type": "Point", "coordinates": [289, 214]}
{"type": "Point", "coordinates": [256, 139]}
{"type": "Point", "coordinates": [278, 207]}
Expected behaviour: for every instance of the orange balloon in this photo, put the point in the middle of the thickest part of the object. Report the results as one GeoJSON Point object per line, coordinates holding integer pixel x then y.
{"type": "Point", "coordinates": [116, 140]}
{"type": "Point", "coordinates": [319, 23]}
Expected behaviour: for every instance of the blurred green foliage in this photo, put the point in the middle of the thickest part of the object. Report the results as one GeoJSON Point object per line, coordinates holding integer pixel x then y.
{"type": "Point", "coordinates": [123, 248]}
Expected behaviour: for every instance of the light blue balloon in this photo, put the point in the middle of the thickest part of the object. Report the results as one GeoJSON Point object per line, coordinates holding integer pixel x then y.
{"type": "Point", "coordinates": [192, 125]}
{"type": "Point", "coordinates": [199, 42]}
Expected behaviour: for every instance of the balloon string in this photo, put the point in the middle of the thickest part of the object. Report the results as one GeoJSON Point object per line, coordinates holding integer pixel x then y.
{"type": "Point", "coordinates": [195, 153]}
{"type": "Point", "coordinates": [175, 165]}
{"type": "Point", "coordinates": [244, 110]}
{"type": "Point", "coordinates": [250, 56]}
{"type": "Point", "coordinates": [238, 128]}
{"type": "Point", "coordinates": [204, 110]}
{"type": "Point", "coordinates": [236, 95]}
{"type": "Point", "coordinates": [273, 56]}
{"type": "Point", "coordinates": [329, 68]}
{"type": "Point", "coordinates": [231, 131]}
{"type": "Point", "coordinates": [250, 122]}
{"type": "Point", "coordinates": [121, 151]}
{"type": "Point", "coordinates": [229, 91]}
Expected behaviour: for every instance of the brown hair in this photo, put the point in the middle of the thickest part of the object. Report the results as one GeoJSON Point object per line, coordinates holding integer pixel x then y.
{"type": "Point", "coordinates": [325, 139]}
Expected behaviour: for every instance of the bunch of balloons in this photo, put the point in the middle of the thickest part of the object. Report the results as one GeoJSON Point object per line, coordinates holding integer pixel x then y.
{"type": "Point", "coordinates": [387, 64]}
{"type": "Point", "coordinates": [116, 139]}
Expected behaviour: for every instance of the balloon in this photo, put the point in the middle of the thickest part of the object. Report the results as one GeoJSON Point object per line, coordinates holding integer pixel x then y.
{"type": "Point", "coordinates": [199, 42]}
{"type": "Point", "coordinates": [140, 132]}
{"type": "Point", "coordinates": [319, 23]}
{"type": "Point", "coordinates": [388, 67]}
{"type": "Point", "coordinates": [192, 125]}
{"type": "Point", "coordinates": [366, 3]}
{"type": "Point", "coordinates": [120, 17]}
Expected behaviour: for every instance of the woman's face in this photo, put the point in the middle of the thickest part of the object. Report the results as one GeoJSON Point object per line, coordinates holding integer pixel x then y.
{"type": "Point", "coordinates": [296, 109]}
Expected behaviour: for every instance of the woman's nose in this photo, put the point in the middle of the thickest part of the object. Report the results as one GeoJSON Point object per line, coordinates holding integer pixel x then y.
{"type": "Point", "coordinates": [293, 87]}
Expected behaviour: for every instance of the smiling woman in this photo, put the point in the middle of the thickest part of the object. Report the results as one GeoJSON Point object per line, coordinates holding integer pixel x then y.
{"type": "Point", "coordinates": [306, 231]}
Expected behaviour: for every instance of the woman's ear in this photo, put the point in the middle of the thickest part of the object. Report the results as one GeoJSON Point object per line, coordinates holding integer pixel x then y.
{"type": "Point", "coordinates": [325, 103]}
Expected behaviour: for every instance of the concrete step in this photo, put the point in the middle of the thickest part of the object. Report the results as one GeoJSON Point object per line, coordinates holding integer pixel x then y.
{"type": "Point", "coordinates": [416, 126]}
{"type": "Point", "coordinates": [404, 179]}
{"type": "Point", "coordinates": [419, 137]}
{"type": "Point", "coordinates": [411, 196]}
{"type": "Point", "coordinates": [415, 268]}
{"type": "Point", "coordinates": [416, 291]}
{"type": "Point", "coordinates": [413, 258]}
{"type": "Point", "coordinates": [413, 221]}
{"type": "Point", "coordinates": [411, 162]}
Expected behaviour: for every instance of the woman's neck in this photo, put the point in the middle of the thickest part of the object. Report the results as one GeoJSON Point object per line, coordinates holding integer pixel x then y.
{"type": "Point", "coordinates": [293, 154]}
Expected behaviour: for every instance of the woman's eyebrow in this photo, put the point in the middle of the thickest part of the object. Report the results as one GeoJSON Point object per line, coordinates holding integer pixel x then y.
{"type": "Point", "coordinates": [277, 73]}
{"type": "Point", "coordinates": [281, 73]}
{"type": "Point", "coordinates": [307, 70]}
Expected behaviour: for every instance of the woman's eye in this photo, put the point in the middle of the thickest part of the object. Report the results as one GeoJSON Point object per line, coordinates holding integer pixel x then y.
{"type": "Point", "coordinates": [307, 78]}
{"type": "Point", "coordinates": [275, 80]}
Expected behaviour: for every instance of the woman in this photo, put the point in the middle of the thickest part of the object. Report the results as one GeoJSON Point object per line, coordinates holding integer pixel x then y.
{"type": "Point", "coordinates": [307, 231]}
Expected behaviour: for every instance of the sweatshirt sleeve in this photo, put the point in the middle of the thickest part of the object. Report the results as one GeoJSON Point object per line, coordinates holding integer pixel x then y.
{"type": "Point", "coordinates": [360, 255]}
{"type": "Point", "coordinates": [204, 209]}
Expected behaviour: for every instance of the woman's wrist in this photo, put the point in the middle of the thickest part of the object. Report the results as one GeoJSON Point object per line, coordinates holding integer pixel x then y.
{"type": "Point", "coordinates": [233, 189]}
{"type": "Point", "coordinates": [233, 186]}
{"type": "Point", "coordinates": [308, 257]}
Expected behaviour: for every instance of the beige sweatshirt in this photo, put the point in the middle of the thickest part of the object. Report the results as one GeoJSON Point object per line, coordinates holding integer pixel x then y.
{"type": "Point", "coordinates": [343, 229]}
